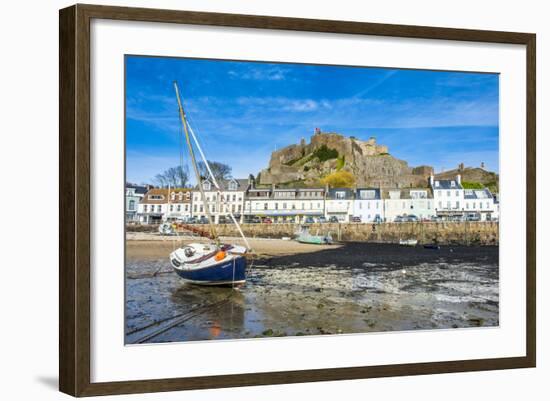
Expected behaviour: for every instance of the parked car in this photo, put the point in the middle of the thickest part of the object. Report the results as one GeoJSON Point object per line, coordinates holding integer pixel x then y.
{"type": "Point", "coordinates": [309, 220]}
{"type": "Point", "coordinates": [223, 220]}
{"type": "Point", "coordinates": [377, 219]}
{"type": "Point", "coordinates": [398, 219]}
{"type": "Point", "coordinates": [411, 218]}
{"type": "Point", "coordinates": [333, 219]}
{"type": "Point", "coordinates": [256, 220]}
{"type": "Point", "coordinates": [267, 220]}
{"type": "Point", "coordinates": [473, 217]}
{"type": "Point", "coordinates": [203, 220]}
{"type": "Point", "coordinates": [356, 219]}
{"type": "Point", "coordinates": [192, 220]}
{"type": "Point", "coordinates": [322, 220]}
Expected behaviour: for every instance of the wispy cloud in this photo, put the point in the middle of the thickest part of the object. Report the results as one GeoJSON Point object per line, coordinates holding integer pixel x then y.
{"type": "Point", "coordinates": [260, 74]}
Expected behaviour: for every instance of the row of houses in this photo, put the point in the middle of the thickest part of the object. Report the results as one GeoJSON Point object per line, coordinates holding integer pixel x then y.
{"type": "Point", "coordinates": [444, 199]}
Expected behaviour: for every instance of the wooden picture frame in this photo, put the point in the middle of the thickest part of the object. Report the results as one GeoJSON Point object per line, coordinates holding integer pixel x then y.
{"type": "Point", "coordinates": [75, 207]}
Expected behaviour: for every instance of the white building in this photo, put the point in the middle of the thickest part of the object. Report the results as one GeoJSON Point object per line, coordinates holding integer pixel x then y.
{"type": "Point", "coordinates": [368, 205]}
{"type": "Point", "coordinates": [417, 202]}
{"type": "Point", "coordinates": [285, 204]}
{"type": "Point", "coordinates": [178, 207]}
{"type": "Point", "coordinates": [153, 206]}
{"type": "Point", "coordinates": [230, 198]}
{"type": "Point", "coordinates": [339, 204]}
{"type": "Point", "coordinates": [479, 204]}
{"type": "Point", "coordinates": [134, 194]}
{"type": "Point", "coordinates": [448, 197]}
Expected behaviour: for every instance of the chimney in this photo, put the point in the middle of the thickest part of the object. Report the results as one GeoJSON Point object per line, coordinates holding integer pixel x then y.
{"type": "Point", "coordinates": [458, 179]}
{"type": "Point", "coordinates": [431, 180]}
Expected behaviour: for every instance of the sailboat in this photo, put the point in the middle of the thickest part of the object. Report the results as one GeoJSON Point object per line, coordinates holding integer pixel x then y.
{"type": "Point", "coordinates": [212, 263]}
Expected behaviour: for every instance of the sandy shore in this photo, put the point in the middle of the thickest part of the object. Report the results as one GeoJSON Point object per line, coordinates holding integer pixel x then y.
{"type": "Point", "coordinates": [155, 246]}
{"type": "Point", "coordinates": [298, 289]}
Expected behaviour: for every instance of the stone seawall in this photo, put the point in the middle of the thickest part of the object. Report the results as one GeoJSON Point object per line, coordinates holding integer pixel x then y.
{"type": "Point", "coordinates": [467, 233]}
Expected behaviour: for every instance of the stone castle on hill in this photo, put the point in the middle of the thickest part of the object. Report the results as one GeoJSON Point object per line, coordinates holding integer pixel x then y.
{"type": "Point", "coordinates": [371, 164]}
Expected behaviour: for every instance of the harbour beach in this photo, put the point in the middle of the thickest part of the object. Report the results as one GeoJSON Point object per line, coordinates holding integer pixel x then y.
{"type": "Point", "coordinates": [295, 289]}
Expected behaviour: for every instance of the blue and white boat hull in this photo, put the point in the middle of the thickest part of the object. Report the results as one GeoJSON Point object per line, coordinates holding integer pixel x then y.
{"type": "Point", "coordinates": [206, 270]}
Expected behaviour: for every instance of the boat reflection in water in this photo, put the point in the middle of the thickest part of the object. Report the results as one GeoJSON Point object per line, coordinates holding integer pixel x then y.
{"type": "Point", "coordinates": [217, 313]}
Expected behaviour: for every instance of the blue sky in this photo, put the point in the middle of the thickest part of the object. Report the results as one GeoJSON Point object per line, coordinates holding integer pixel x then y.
{"type": "Point", "coordinates": [242, 111]}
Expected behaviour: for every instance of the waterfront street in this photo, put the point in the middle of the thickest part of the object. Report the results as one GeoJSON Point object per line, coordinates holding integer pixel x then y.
{"type": "Point", "coordinates": [296, 289]}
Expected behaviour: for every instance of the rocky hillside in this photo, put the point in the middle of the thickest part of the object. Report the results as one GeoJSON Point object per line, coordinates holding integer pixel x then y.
{"type": "Point", "coordinates": [473, 177]}
{"type": "Point", "coordinates": [371, 164]}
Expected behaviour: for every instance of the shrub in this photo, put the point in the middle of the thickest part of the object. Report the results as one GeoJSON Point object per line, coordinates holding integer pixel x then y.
{"type": "Point", "coordinates": [324, 153]}
{"type": "Point", "coordinates": [472, 185]}
{"type": "Point", "coordinates": [339, 179]}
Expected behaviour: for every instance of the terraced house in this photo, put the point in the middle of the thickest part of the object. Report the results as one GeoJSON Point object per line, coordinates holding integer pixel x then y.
{"type": "Point", "coordinates": [284, 204]}
{"type": "Point", "coordinates": [368, 205]}
{"type": "Point", "coordinates": [230, 198]}
{"type": "Point", "coordinates": [405, 202]}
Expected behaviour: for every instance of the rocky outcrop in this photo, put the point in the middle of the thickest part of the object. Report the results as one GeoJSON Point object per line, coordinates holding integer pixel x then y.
{"type": "Point", "coordinates": [370, 163]}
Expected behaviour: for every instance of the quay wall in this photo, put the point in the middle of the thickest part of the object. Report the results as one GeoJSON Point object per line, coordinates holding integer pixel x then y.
{"type": "Point", "coordinates": [464, 233]}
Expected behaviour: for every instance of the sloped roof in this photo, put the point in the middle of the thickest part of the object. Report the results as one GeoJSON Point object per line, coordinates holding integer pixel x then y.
{"type": "Point", "coordinates": [478, 194]}
{"type": "Point", "coordinates": [375, 192]}
{"type": "Point", "coordinates": [405, 193]}
{"type": "Point", "coordinates": [331, 194]}
{"type": "Point", "coordinates": [447, 184]}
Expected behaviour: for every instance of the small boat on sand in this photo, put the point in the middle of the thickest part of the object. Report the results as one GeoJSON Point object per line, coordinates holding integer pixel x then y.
{"type": "Point", "coordinates": [211, 263]}
{"type": "Point", "coordinates": [303, 236]}
{"type": "Point", "coordinates": [432, 246]}
{"type": "Point", "coordinates": [208, 264]}
{"type": "Point", "coordinates": [408, 242]}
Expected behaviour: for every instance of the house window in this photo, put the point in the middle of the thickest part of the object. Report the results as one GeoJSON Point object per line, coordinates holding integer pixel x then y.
{"type": "Point", "coordinates": [156, 197]}
{"type": "Point", "coordinates": [201, 209]}
{"type": "Point", "coordinates": [457, 193]}
{"type": "Point", "coordinates": [206, 185]}
{"type": "Point", "coordinates": [232, 185]}
{"type": "Point", "coordinates": [179, 208]}
{"type": "Point", "coordinates": [276, 206]}
{"type": "Point", "coordinates": [131, 205]}
{"type": "Point", "coordinates": [448, 204]}
{"type": "Point", "coordinates": [284, 205]}
{"type": "Point", "coordinates": [265, 206]}
{"type": "Point", "coordinates": [340, 195]}
{"type": "Point", "coordinates": [457, 204]}
{"type": "Point", "coordinates": [195, 208]}
{"type": "Point", "coordinates": [239, 208]}
{"type": "Point", "coordinates": [234, 197]}
{"type": "Point", "coordinates": [159, 208]}
{"type": "Point", "coordinates": [173, 196]}
{"type": "Point", "coordinates": [144, 208]}
{"type": "Point", "coordinates": [448, 193]}
{"type": "Point", "coordinates": [171, 208]}
{"type": "Point", "coordinates": [440, 205]}
{"type": "Point", "coordinates": [452, 184]}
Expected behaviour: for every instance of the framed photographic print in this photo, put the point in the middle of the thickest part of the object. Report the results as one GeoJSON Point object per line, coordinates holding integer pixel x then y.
{"type": "Point", "coordinates": [250, 200]}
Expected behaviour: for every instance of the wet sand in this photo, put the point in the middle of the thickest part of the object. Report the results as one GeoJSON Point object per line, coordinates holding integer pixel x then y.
{"type": "Point", "coordinates": [296, 289]}
{"type": "Point", "coordinates": [154, 246]}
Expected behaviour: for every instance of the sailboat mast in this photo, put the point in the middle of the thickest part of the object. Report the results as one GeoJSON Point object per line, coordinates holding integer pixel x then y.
{"type": "Point", "coordinates": [194, 163]}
